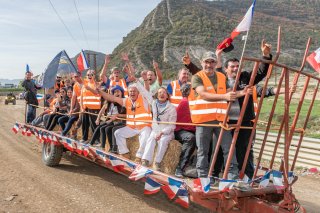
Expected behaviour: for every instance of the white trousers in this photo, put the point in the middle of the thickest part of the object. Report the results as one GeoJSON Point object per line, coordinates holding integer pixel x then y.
{"type": "Point", "coordinates": [126, 132]}
{"type": "Point", "coordinates": [162, 147]}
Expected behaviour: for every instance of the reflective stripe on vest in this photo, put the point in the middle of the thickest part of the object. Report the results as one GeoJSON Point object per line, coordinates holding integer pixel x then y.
{"type": "Point", "coordinates": [139, 114]}
{"type": "Point", "coordinates": [89, 99]}
{"type": "Point", "coordinates": [176, 96]}
{"type": "Point", "coordinates": [255, 100]}
{"type": "Point", "coordinates": [204, 111]}
{"type": "Point", "coordinates": [122, 83]}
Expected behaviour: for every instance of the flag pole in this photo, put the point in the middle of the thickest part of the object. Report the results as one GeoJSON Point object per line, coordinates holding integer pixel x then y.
{"type": "Point", "coordinates": [244, 48]}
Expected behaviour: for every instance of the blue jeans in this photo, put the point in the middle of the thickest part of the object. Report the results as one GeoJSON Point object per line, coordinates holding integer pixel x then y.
{"type": "Point", "coordinates": [31, 113]}
{"type": "Point", "coordinates": [69, 120]}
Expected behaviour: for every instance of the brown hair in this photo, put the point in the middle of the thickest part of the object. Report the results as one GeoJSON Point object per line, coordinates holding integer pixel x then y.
{"type": "Point", "coordinates": [156, 95]}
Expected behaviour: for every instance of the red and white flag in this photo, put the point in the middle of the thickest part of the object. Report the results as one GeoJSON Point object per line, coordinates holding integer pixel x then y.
{"type": "Point", "coordinates": [245, 24]}
{"type": "Point", "coordinates": [82, 62]}
{"type": "Point", "coordinates": [15, 128]}
{"type": "Point", "coordinates": [314, 60]}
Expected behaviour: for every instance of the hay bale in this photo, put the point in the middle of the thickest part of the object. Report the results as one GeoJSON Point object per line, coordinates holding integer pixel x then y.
{"type": "Point", "coordinates": [170, 159]}
{"type": "Point", "coordinates": [133, 146]}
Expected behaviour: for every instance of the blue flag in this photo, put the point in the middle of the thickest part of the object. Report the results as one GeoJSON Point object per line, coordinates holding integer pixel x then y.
{"type": "Point", "coordinates": [60, 64]}
{"type": "Point", "coordinates": [27, 68]}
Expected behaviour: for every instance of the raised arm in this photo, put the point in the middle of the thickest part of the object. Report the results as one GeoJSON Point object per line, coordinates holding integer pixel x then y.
{"type": "Point", "coordinates": [103, 74]}
{"type": "Point", "coordinates": [158, 72]}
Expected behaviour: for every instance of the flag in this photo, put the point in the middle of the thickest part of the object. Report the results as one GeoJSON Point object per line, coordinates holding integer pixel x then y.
{"type": "Point", "coordinates": [151, 186]}
{"type": "Point", "coordinates": [60, 64]}
{"type": "Point", "coordinates": [314, 60]}
{"type": "Point", "coordinates": [245, 24]}
{"type": "Point", "coordinates": [171, 189]}
{"type": "Point", "coordinates": [79, 149]}
{"type": "Point", "coordinates": [27, 68]}
{"type": "Point", "coordinates": [67, 143]}
{"type": "Point", "coordinates": [82, 62]}
{"type": "Point", "coordinates": [55, 140]}
{"type": "Point", "coordinates": [117, 164]}
{"type": "Point", "coordinates": [183, 198]}
{"type": "Point", "coordinates": [130, 165]}
{"type": "Point", "coordinates": [24, 131]}
{"type": "Point", "coordinates": [290, 177]}
{"type": "Point", "coordinates": [139, 172]}
{"type": "Point", "coordinates": [202, 183]}
{"type": "Point", "coordinates": [225, 185]}
{"type": "Point", "coordinates": [277, 178]}
{"type": "Point", "coordinates": [85, 149]}
{"type": "Point", "coordinates": [28, 132]}
{"type": "Point", "coordinates": [15, 128]}
{"type": "Point", "coordinates": [265, 180]}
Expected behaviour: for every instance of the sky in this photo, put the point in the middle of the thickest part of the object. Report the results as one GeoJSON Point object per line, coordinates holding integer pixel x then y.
{"type": "Point", "coordinates": [32, 33]}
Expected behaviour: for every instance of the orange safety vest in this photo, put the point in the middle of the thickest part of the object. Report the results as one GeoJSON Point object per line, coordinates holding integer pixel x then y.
{"type": "Point", "coordinates": [204, 111]}
{"type": "Point", "coordinates": [137, 113]}
{"type": "Point", "coordinates": [56, 86]}
{"type": "Point", "coordinates": [89, 99]}
{"type": "Point", "coordinates": [77, 90]}
{"type": "Point", "coordinates": [255, 100]}
{"type": "Point", "coordinates": [176, 96]}
{"type": "Point", "coordinates": [122, 83]}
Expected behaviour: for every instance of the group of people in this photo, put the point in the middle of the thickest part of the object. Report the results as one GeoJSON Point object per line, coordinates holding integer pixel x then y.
{"type": "Point", "coordinates": [118, 108]}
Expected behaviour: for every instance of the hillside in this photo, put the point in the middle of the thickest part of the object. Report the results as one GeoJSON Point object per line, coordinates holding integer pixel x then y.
{"type": "Point", "coordinates": [175, 26]}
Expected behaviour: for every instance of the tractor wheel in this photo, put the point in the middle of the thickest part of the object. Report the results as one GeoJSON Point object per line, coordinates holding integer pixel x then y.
{"type": "Point", "coordinates": [51, 154]}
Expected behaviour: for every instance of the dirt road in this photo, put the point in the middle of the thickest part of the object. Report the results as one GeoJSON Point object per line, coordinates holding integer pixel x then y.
{"type": "Point", "coordinates": [77, 185]}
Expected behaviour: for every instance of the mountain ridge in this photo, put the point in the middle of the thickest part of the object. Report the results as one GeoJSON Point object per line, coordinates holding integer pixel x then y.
{"type": "Point", "coordinates": [175, 26]}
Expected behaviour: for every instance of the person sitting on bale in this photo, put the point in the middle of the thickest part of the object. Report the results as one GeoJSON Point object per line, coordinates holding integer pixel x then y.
{"type": "Point", "coordinates": [138, 111]}
{"type": "Point", "coordinates": [113, 110]}
{"type": "Point", "coordinates": [163, 111]}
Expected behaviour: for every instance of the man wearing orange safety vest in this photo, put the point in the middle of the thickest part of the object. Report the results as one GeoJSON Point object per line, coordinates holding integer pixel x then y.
{"type": "Point", "coordinates": [91, 103]}
{"type": "Point", "coordinates": [209, 107]}
{"type": "Point", "coordinates": [138, 110]}
{"type": "Point", "coordinates": [174, 87]}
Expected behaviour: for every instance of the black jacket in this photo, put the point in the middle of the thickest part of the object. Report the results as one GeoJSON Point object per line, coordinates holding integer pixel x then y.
{"type": "Point", "coordinates": [243, 81]}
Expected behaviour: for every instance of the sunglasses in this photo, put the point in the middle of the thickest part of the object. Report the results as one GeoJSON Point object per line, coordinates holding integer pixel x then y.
{"type": "Point", "coordinates": [89, 74]}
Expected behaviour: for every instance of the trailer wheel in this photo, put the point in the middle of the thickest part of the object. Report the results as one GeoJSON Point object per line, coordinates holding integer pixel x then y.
{"type": "Point", "coordinates": [51, 154]}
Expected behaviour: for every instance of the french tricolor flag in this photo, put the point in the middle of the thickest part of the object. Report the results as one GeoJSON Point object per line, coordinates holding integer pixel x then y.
{"type": "Point", "coordinates": [277, 178]}
{"type": "Point", "coordinates": [85, 149]}
{"type": "Point", "coordinates": [225, 185]}
{"type": "Point", "coordinates": [82, 62]}
{"type": "Point", "coordinates": [171, 189]}
{"type": "Point", "coordinates": [117, 164]}
{"type": "Point", "coordinates": [79, 148]}
{"type": "Point", "coordinates": [151, 187]}
{"type": "Point", "coordinates": [314, 60]}
{"type": "Point", "coordinates": [139, 172]}
{"type": "Point", "coordinates": [15, 128]}
{"type": "Point", "coordinates": [245, 24]}
{"type": "Point", "coordinates": [183, 198]}
{"type": "Point", "coordinates": [202, 183]}
{"type": "Point", "coordinates": [265, 180]}
{"type": "Point", "coordinates": [67, 143]}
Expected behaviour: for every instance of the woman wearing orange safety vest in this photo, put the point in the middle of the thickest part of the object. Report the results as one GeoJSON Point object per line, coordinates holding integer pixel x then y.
{"type": "Point", "coordinates": [89, 102]}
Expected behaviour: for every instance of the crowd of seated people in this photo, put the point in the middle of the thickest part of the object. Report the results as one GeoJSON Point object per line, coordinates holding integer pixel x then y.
{"type": "Point", "coordinates": [117, 108]}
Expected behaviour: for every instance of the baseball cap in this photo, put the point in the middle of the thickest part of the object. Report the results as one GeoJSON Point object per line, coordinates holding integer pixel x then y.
{"type": "Point", "coordinates": [209, 56]}
{"type": "Point", "coordinates": [226, 45]}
